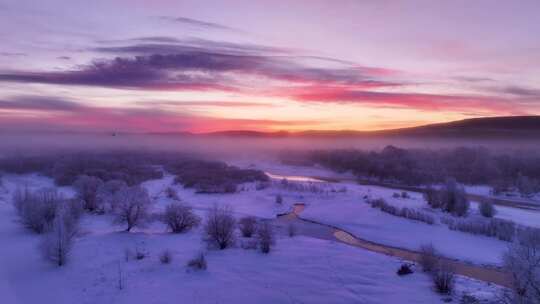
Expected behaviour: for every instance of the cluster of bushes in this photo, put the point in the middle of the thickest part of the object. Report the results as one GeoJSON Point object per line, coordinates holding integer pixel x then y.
{"type": "Point", "coordinates": [408, 213]}
{"type": "Point", "coordinates": [125, 167]}
{"type": "Point", "coordinates": [213, 177]}
{"type": "Point", "coordinates": [421, 166]}
{"type": "Point", "coordinates": [45, 211]}
{"type": "Point", "coordinates": [451, 198]}
{"type": "Point", "coordinates": [503, 230]}
{"type": "Point", "coordinates": [311, 187]}
{"type": "Point", "coordinates": [220, 228]}
{"type": "Point", "coordinates": [130, 167]}
{"type": "Point", "coordinates": [404, 194]}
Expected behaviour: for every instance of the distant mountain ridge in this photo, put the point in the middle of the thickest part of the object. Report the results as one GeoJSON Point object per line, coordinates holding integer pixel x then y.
{"type": "Point", "coordinates": [522, 126]}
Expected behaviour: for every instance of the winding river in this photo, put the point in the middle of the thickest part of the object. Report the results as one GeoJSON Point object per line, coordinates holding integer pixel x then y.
{"type": "Point", "coordinates": [328, 232]}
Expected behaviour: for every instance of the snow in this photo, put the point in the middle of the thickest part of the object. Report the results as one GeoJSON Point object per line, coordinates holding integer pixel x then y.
{"type": "Point", "coordinates": [298, 270]}
{"type": "Point", "coordinates": [358, 218]}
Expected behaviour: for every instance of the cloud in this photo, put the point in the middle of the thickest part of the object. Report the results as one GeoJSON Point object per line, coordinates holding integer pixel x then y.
{"type": "Point", "coordinates": [422, 101]}
{"type": "Point", "coordinates": [9, 54]}
{"type": "Point", "coordinates": [188, 67]}
{"type": "Point", "coordinates": [38, 103]}
{"type": "Point", "coordinates": [520, 91]}
{"type": "Point", "coordinates": [198, 23]}
{"type": "Point", "coordinates": [156, 72]}
{"type": "Point", "coordinates": [58, 114]}
{"type": "Point", "coordinates": [225, 104]}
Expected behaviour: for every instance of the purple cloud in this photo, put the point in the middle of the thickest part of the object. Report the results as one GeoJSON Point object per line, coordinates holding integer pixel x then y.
{"type": "Point", "coordinates": [39, 103]}
{"type": "Point", "coordinates": [175, 67]}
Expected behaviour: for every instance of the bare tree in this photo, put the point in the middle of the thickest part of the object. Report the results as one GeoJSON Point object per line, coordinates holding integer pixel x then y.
{"type": "Point", "coordinates": [87, 188]}
{"type": "Point", "coordinates": [443, 278]}
{"type": "Point", "coordinates": [248, 225]}
{"type": "Point", "coordinates": [37, 209]}
{"type": "Point", "coordinates": [179, 217]}
{"type": "Point", "coordinates": [522, 261]}
{"type": "Point", "coordinates": [265, 235]}
{"type": "Point", "coordinates": [219, 227]}
{"type": "Point", "coordinates": [132, 207]}
{"type": "Point", "coordinates": [57, 243]}
{"type": "Point", "coordinates": [487, 209]}
{"type": "Point", "coordinates": [454, 198]}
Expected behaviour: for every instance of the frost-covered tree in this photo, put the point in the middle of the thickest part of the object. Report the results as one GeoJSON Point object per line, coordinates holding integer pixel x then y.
{"type": "Point", "coordinates": [454, 198]}
{"type": "Point", "coordinates": [179, 217]}
{"type": "Point", "coordinates": [248, 226]}
{"type": "Point", "coordinates": [87, 188]}
{"type": "Point", "coordinates": [522, 261]}
{"type": "Point", "coordinates": [37, 209]}
{"type": "Point", "coordinates": [105, 196]}
{"type": "Point", "coordinates": [57, 243]}
{"type": "Point", "coordinates": [219, 227]}
{"type": "Point", "coordinates": [487, 209]}
{"type": "Point", "coordinates": [265, 236]}
{"type": "Point", "coordinates": [132, 207]}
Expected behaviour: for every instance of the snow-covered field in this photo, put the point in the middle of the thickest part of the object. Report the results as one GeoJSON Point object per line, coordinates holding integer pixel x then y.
{"type": "Point", "coordinates": [299, 270]}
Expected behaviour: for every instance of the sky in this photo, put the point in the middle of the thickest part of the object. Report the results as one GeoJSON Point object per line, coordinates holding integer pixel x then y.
{"type": "Point", "coordinates": [204, 66]}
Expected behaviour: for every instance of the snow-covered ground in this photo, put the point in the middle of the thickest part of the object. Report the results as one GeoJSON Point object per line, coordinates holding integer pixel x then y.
{"type": "Point", "coordinates": [299, 270]}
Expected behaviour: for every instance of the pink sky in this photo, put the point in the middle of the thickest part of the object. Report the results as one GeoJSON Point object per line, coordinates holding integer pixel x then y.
{"type": "Point", "coordinates": [171, 66]}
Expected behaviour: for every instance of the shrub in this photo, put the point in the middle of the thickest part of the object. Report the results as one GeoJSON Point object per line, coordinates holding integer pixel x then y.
{"type": "Point", "coordinates": [451, 198]}
{"type": "Point", "coordinates": [213, 177]}
{"type": "Point", "coordinates": [198, 262]}
{"type": "Point", "coordinates": [402, 212]}
{"type": "Point", "coordinates": [265, 236]}
{"type": "Point", "coordinates": [522, 261]}
{"type": "Point", "coordinates": [132, 207]}
{"type": "Point", "coordinates": [395, 195]}
{"type": "Point", "coordinates": [58, 241]}
{"type": "Point", "coordinates": [133, 168]}
{"type": "Point", "coordinates": [487, 209]}
{"type": "Point", "coordinates": [165, 257]}
{"type": "Point", "coordinates": [504, 230]}
{"type": "Point", "coordinates": [219, 227]}
{"type": "Point", "coordinates": [405, 194]}
{"type": "Point", "coordinates": [468, 299]}
{"type": "Point", "coordinates": [433, 197]}
{"type": "Point", "coordinates": [87, 189]}
{"type": "Point", "coordinates": [454, 198]}
{"type": "Point", "coordinates": [105, 196]}
{"type": "Point", "coordinates": [279, 199]}
{"type": "Point", "coordinates": [405, 269]}
{"type": "Point", "coordinates": [248, 225]}
{"type": "Point", "coordinates": [443, 278]}
{"type": "Point", "coordinates": [179, 218]}
{"type": "Point", "coordinates": [428, 257]}
{"type": "Point", "coordinates": [140, 254]}
{"type": "Point", "coordinates": [37, 209]}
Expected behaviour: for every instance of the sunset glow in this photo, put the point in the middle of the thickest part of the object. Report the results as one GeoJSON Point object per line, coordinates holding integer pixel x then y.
{"type": "Point", "coordinates": [202, 66]}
